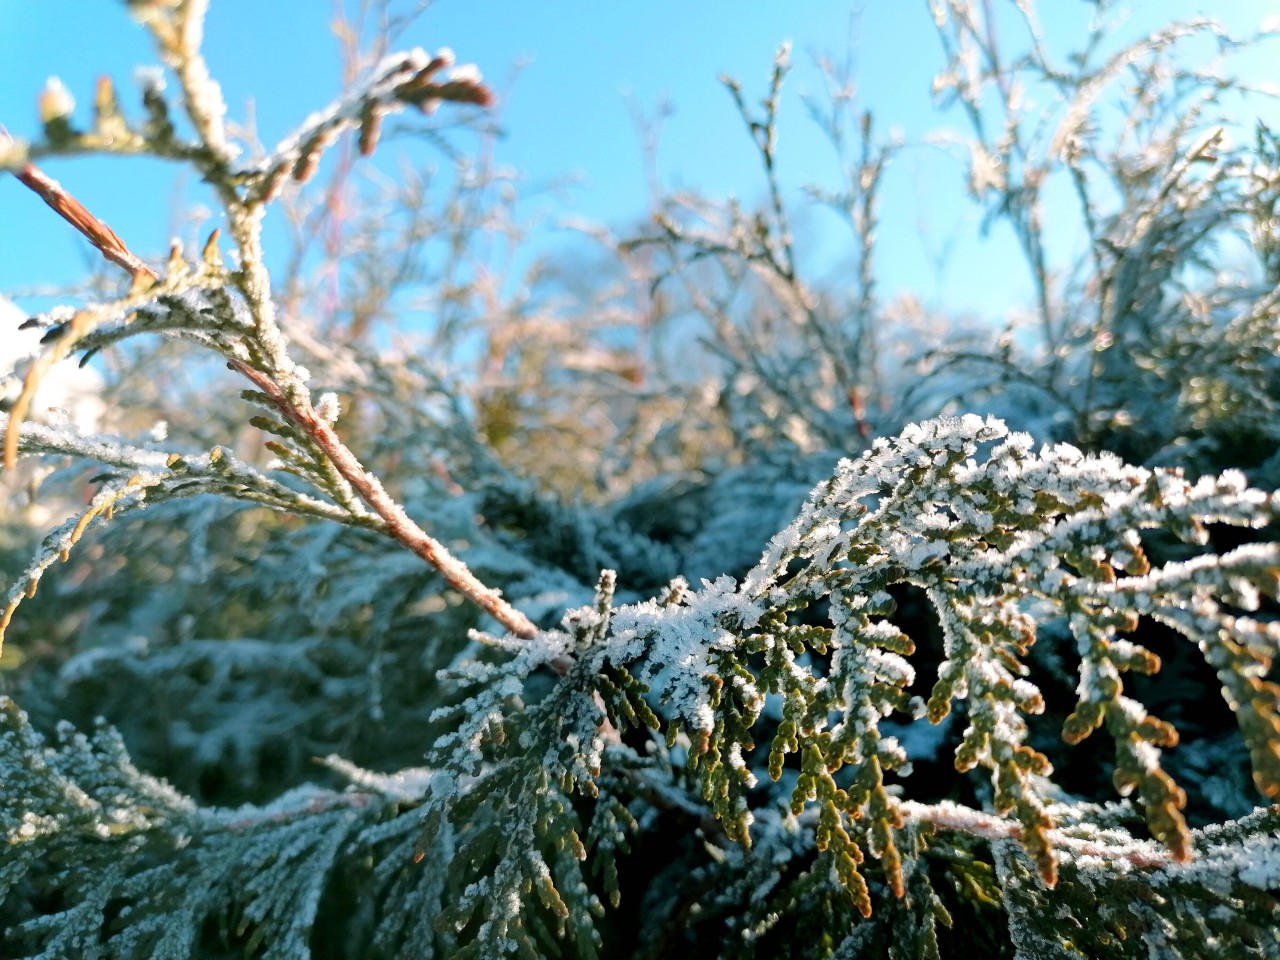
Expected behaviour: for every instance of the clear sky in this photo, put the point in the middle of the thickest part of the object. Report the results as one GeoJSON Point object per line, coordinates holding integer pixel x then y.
{"type": "Point", "coordinates": [566, 113]}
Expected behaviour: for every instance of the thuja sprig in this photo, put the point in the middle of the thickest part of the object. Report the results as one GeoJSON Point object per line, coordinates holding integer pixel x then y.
{"type": "Point", "coordinates": [999, 543]}
{"type": "Point", "coordinates": [238, 318]}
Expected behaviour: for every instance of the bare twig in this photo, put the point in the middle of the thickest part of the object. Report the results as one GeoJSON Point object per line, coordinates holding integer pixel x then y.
{"type": "Point", "coordinates": [73, 211]}
{"type": "Point", "coordinates": [111, 247]}
{"type": "Point", "coordinates": [31, 382]}
{"type": "Point", "coordinates": [399, 525]}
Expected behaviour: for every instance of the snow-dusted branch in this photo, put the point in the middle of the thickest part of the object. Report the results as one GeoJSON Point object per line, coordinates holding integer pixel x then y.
{"type": "Point", "coordinates": [302, 414]}
{"type": "Point", "coordinates": [414, 79]}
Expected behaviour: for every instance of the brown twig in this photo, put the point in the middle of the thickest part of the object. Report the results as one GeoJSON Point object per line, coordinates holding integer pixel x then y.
{"type": "Point", "coordinates": [399, 525]}
{"type": "Point", "coordinates": [111, 247]}
{"type": "Point", "coordinates": [31, 382]}
{"type": "Point", "coordinates": [73, 211]}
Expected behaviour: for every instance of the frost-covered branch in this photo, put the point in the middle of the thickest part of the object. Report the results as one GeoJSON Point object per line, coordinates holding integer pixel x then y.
{"type": "Point", "coordinates": [990, 541]}
{"type": "Point", "coordinates": [260, 353]}
{"type": "Point", "coordinates": [398, 523]}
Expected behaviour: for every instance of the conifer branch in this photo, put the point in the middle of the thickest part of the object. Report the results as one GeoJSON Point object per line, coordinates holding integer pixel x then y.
{"type": "Point", "coordinates": [399, 525]}
{"type": "Point", "coordinates": [179, 35]}
{"type": "Point", "coordinates": [761, 727]}
{"type": "Point", "coordinates": [945, 815]}
{"type": "Point", "coordinates": [74, 212]}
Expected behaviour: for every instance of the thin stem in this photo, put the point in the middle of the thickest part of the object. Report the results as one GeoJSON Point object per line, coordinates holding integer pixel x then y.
{"type": "Point", "coordinates": [399, 525]}
{"type": "Point", "coordinates": [74, 212]}
{"type": "Point", "coordinates": [953, 816]}
{"type": "Point", "coordinates": [202, 97]}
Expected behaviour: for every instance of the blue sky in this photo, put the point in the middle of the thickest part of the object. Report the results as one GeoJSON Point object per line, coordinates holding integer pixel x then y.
{"type": "Point", "coordinates": [566, 113]}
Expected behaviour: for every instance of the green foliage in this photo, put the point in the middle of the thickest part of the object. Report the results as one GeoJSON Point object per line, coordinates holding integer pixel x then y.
{"type": "Point", "coordinates": [997, 545]}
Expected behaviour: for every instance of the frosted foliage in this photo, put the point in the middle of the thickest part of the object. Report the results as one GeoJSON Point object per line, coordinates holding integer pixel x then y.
{"type": "Point", "coordinates": [989, 529]}
{"type": "Point", "coordinates": [66, 392]}
{"type": "Point", "coordinates": [674, 644]}
{"type": "Point", "coordinates": [941, 508]}
{"type": "Point", "coordinates": [544, 631]}
{"type": "Point", "coordinates": [1029, 943]}
{"type": "Point", "coordinates": [1179, 910]}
